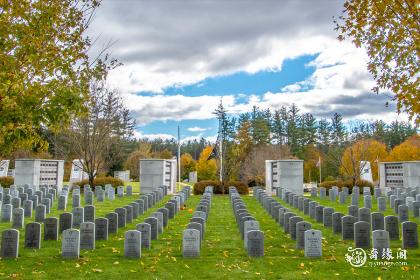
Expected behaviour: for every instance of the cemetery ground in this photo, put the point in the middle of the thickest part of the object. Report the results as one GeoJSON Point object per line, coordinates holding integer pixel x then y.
{"type": "Point", "coordinates": [222, 255]}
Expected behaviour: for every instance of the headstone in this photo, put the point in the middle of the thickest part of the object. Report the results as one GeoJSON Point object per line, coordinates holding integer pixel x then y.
{"type": "Point", "coordinates": [15, 202]}
{"type": "Point", "coordinates": [255, 245]}
{"type": "Point", "coordinates": [33, 235]}
{"type": "Point", "coordinates": [6, 213]}
{"type": "Point", "coordinates": [319, 213]}
{"type": "Point", "coordinates": [392, 226]}
{"type": "Point", "coordinates": [66, 221]}
{"type": "Point", "coordinates": [153, 227]}
{"type": "Point", "coordinates": [70, 244]}
{"type": "Point", "coordinates": [112, 222]}
{"type": "Point", "coordinates": [165, 213]}
{"type": "Point", "coordinates": [248, 226]}
{"type": "Point", "coordinates": [10, 243]}
{"type": "Point", "coordinates": [87, 236]}
{"type": "Point", "coordinates": [301, 227]}
{"type": "Point", "coordinates": [410, 238]}
{"type": "Point", "coordinates": [353, 211]}
{"type": "Point", "coordinates": [287, 216]}
{"type": "Point", "coordinates": [129, 214]}
{"type": "Point", "coordinates": [51, 228]}
{"type": "Point", "coordinates": [313, 243]}
{"type": "Point", "coordinates": [380, 241]}
{"type": "Point", "coordinates": [402, 213]}
{"type": "Point", "coordinates": [327, 216]}
{"type": "Point", "coordinates": [381, 204]}
{"type": "Point", "coordinates": [78, 216]}
{"type": "Point", "coordinates": [89, 213]}
{"type": "Point", "coordinates": [378, 222]}
{"type": "Point", "coordinates": [191, 243]}
{"type": "Point", "coordinates": [27, 207]}
{"type": "Point", "coordinates": [292, 226]}
{"type": "Point", "coordinates": [135, 207]}
{"type": "Point", "coordinates": [18, 218]}
{"type": "Point", "coordinates": [362, 235]}
{"type": "Point", "coordinates": [75, 200]}
{"type": "Point", "coordinates": [364, 215]}
{"type": "Point", "coordinates": [122, 215]}
{"type": "Point", "coordinates": [367, 201]}
{"type": "Point", "coordinates": [347, 225]}
{"type": "Point", "coordinates": [132, 244]}
{"type": "Point", "coordinates": [416, 208]}
{"type": "Point", "coordinates": [145, 230]}
{"type": "Point", "coordinates": [336, 222]}
{"type": "Point", "coordinates": [129, 190]}
{"type": "Point", "coordinates": [101, 229]}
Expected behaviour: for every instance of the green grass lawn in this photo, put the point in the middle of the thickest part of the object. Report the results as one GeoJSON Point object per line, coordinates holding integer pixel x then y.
{"type": "Point", "coordinates": [222, 254]}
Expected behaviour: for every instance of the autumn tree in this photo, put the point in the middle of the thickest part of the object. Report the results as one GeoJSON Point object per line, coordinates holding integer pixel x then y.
{"type": "Point", "coordinates": [310, 168]}
{"type": "Point", "coordinates": [406, 151]}
{"type": "Point", "coordinates": [44, 68]}
{"type": "Point", "coordinates": [389, 30]}
{"type": "Point", "coordinates": [362, 150]}
{"type": "Point", "coordinates": [188, 164]}
{"type": "Point", "coordinates": [206, 168]}
{"type": "Point", "coordinates": [93, 134]}
{"type": "Point", "coordinates": [144, 151]}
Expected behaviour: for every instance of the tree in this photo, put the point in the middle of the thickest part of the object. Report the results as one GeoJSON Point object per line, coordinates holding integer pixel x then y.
{"type": "Point", "coordinates": [188, 164]}
{"type": "Point", "coordinates": [310, 168]}
{"type": "Point", "coordinates": [93, 134]}
{"type": "Point", "coordinates": [362, 150]}
{"type": "Point", "coordinates": [165, 154]}
{"type": "Point", "coordinates": [144, 151]}
{"type": "Point", "coordinates": [338, 131]}
{"type": "Point", "coordinates": [206, 168]}
{"type": "Point", "coordinates": [44, 68]}
{"type": "Point", "coordinates": [389, 30]}
{"type": "Point", "coordinates": [406, 151]}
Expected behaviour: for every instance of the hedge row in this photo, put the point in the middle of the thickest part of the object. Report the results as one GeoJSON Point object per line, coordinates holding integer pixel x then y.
{"type": "Point", "coordinates": [349, 184]}
{"type": "Point", "coordinates": [101, 181]}
{"type": "Point", "coordinates": [6, 181]}
{"type": "Point", "coordinates": [199, 187]}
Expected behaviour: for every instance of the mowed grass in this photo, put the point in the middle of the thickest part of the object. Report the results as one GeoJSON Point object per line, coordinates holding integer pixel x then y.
{"type": "Point", "coordinates": [222, 254]}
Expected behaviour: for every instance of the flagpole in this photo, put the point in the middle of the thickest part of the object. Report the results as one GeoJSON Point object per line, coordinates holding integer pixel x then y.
{"type": "Point", "coordinates": [221, 155]}
{"type": "Point", "coordinates": [179, 157]}
{"type": "Point", "coordinates": [320, 180]}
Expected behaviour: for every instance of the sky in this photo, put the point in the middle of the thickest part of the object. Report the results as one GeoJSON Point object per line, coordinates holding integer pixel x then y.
{"type": "Point", "coordinates": [182, 58]}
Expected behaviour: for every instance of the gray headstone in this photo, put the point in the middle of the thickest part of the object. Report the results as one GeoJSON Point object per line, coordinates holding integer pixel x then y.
{"type": "Point", "coordinates": [18, 218]}
{"type": "Point", "coordinates": [416, 208]}
{"type": "Point", "coordinates": [347, 227]}
{"type": "Point", "coordinates": [129, 214]}
{"type": "Point", "coordinates": [287, 216]}
{"type": "Point", "coordinates": [70, 243]}
{"type": "Point", "coordinates": [101, 229]}
{"type": "Point", "coordinates": [381, 204]}
{"type": "Point", "coordinates": [51, 228]}
{"type": "Point", "coordinates": [15, 202]}
{"type": "Point", "coordinates": [87, 236]}
{"type": "Point", "coordinates": [165, 213]}
{"type": "Point", "coordinates": [362, 235]}
{"type": "Point", "coordinates": [301, 227]}
{"type": "Point", "coordinates": [122, 216]}
{"type": "Point", "coordinates": [129, 190]}
{"type": "Point", "coordinates": [392, 226]}
{"type": "Point", "coordinates": [146, 239]}
{"type": "Point", "coordinates": [336, 222]}
{"type": "Point", "coordinates": [378, 222]}
{"type": "Point", "coordinates": [6, 213]}
{"type": "Point", "coordinates": [402, 213]}
{"type": "Point", "coordinates": [380, 241]}
{"type": "Point", "coordinates": [33, 235]}
{"type": "Point", "coordinates": [319, 213]}
{"type": "Point", "coordinates": [327, 216]}
{"type": "Point", "coordinates": [191, 243]}
{"type": "Point", "coordinates": [62, 203]}
{"type": "Point", "coordinates": [255, 245]}
{"type": "Point", "coordinates": [248, 226]}
{"type": "Point", "coordinates": [410, 237]}
{"type": "Point", "coordinates": [135, 207]}
{"type": "Point", "coordinates": [353, 211]}
{"type": "Point", "coordinates": [10, 243]}
{"type": "Point", "coordinates": [66, 221]}
{"type": "Point", "coordinates": [89, 213]}
{"type": "Point", "coordinates": [292, 226]}
{"type": "Point", "coordinates": [365, 215]}
{"type": "Point", "coordinates": [27, 207]}
{"type": "Point", "coordinates": [78, 216]}
{"type": "Point", "coordinates": [75, 200]}
{"type": "Point", "coordinates": [313, 243]}
{"type": "Point", "coordinates": [112, 222]}
{"type": "Point", "coordinates": [132, 244]}
{"type": "Point", "coordinates": [153, 227]}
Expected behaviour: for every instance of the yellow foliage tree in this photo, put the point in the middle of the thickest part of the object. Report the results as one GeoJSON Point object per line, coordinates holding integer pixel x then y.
{"type": "Point", "coordinates": [310, 169]}
{"type": "Point", "coordinates": [206, 168]}
{"type": "Point", "coordinates": [406, 151]}
{"type": "Point", "coordinates": [362, 150]}
{"type": "Point", "coordinates": [188, 164]}
{"type": "Point", "coordinates": [144, 150]}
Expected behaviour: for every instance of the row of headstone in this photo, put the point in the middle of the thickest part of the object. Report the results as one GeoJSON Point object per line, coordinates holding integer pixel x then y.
{"type": "Point", "coordinates": [308, 239]}
{"type": "Point", "coordinates": [193, 235]}
{"type": "Point", "coordinates": [153, 226]}
{"type": "Point", "coordinates": [359, 225]}
{"type": "Point", "coordinates": [248, 226]}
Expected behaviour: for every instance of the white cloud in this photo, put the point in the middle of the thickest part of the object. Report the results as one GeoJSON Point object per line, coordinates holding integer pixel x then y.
{"type": "Point", "coordinates": [163, 136]}
{"type": "Point", "coordinates": [196, 129]}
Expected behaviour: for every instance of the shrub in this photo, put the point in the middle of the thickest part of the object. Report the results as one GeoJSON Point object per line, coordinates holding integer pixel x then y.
{"type": "Point", "coordinates": [199, 187]}
{"type": "Point", "coordinates": [348, 183]}
{"type": "Point", "coordinates": [101, 181]}
{"type": "Point", "coordinates": [6, 181]}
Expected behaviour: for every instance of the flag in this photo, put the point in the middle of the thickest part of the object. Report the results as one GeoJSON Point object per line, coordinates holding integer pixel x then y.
{"type": "Point", "coordinates": [215, 152]}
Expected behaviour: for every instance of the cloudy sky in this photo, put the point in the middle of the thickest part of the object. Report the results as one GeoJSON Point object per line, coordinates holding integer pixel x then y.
{"type": "Point", "coordinates": [182, 57]}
